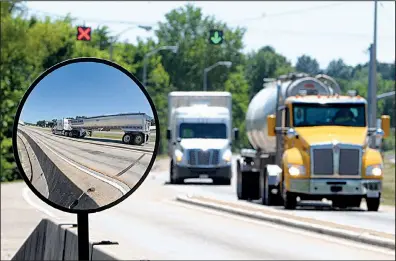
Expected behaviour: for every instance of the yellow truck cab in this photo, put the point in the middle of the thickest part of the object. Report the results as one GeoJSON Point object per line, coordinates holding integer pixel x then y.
{"type": "Point", "coordinates": [322, 151]}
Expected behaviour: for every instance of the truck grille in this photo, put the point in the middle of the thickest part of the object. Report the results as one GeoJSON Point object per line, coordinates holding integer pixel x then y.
{"type": "Point", "coordinates": [348, 162]}
{"type": "Point", "coordinates": [200, 157]}
{"type": "Point", "coordinates": [323, 161]}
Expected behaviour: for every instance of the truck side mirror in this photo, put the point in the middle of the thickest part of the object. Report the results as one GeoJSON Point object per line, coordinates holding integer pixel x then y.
{"type": "Point", "coordinates": [271, 123]}
{"type": "Point", "coordinates": [385, 125]}
{"type": "Point", "coordinates": [236, 134]}
{"type": "Point", "coordinates": [168, 134]}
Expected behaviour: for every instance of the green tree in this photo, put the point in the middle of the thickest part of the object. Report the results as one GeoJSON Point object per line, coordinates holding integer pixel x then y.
{"type": "Point", "coordinates": [307, 64]}
{"type": "Point", "coordinates": [265, 63]}
{"type": "Point", "coordinates": [238, 86]}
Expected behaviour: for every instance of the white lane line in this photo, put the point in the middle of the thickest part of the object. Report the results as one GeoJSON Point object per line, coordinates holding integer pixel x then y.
{"type": "Point", "coordinates": [26, 197]}
{"type": "Point", "coordinates": [275, 226]}
{"type": "Point", "coordinates": [88, 172]}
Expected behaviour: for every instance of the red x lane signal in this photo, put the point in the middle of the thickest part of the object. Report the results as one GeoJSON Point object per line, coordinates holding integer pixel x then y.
{"type": "Point", "coordinates": [83, 33]}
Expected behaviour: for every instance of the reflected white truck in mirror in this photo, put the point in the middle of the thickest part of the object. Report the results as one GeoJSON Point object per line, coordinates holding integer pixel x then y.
{"type": "Point", "coordinates": [199, 136]}
{"type": "Point", "coordinates": [136, 126]}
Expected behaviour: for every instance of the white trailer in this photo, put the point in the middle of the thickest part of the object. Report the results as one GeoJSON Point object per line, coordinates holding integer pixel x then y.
{"type": "Point", "coordinates": [136, 126]}
{"type": "Point", "coordinates": [199, 136]}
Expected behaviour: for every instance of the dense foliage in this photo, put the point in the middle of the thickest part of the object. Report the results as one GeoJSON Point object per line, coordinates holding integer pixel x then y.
{"type": "Point", "coordinates": [25, 53]}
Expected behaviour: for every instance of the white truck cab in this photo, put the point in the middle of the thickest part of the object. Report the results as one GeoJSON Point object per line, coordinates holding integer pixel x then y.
{"type": "Point", "coordinates": [200, 136]}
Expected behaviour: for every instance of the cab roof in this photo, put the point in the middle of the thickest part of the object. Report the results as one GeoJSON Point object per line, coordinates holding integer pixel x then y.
{"type": "Point", "coordinates": [325, 99]}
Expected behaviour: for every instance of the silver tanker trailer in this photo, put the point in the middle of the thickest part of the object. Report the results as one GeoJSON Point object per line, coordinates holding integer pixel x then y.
{"type": "Point", "coordinates": [136, 126]}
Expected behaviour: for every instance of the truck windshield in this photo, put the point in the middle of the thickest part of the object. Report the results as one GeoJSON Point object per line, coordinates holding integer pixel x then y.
{"type": "Point", "coordinates": [203, 131]}
{"type": "Point", "coordinates": [306, 115]}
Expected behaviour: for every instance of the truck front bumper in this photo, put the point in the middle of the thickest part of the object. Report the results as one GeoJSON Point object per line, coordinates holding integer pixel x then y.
{"type": "Point", "coordinates": [184, 172]}
{"type": "Point", "coordinates": [336, 187]}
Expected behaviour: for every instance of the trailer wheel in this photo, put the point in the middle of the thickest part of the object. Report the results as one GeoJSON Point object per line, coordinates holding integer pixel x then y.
{"type": "Point", "coordinates": [373, 203]}
{"type": "Point", "coordinates": [127, 138]}
{"type": "Point", "coordinates": [138, 139]}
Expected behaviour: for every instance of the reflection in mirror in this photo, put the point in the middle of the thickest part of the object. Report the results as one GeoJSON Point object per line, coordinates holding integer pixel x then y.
{"type": "Point", "coordinates": [85, 135]}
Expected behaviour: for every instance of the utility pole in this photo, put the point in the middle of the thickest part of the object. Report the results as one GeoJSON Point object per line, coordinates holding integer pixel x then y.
{"type": "Point", "coordinates": [372, 99]}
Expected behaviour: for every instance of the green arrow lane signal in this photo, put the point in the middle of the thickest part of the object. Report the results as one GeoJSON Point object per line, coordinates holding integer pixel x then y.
{"type": "Point", "coordinates": [216, 37]}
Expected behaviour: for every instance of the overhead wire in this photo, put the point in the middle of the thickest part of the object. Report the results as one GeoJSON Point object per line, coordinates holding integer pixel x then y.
{"type": "Point", "coordinates": [153, 25]}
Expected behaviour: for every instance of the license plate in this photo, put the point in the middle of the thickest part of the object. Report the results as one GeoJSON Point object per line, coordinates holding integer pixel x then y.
{"type": "Point", "coordinates": [204, 176]}
{"type": "Point", "coordinates": [372, 194]}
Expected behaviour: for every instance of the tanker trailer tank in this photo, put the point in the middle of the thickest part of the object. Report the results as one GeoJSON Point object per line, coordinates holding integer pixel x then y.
{"type": "Point", "coordinates": [136, 126]}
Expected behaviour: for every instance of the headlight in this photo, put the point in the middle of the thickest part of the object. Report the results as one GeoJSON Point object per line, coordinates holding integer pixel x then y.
{"type": "Point", "coordinates": [296, 170]}
{"type": "Point", "coordinates": [374, 170]}
{"type": "Point", "coordinates": [178, 155]}
{"type": "Point", "coordinates": [227, 155]}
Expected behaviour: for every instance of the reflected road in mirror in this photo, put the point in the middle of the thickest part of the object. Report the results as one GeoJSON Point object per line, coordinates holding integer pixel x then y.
{"type": "Point", "coordinates": [80, 173]}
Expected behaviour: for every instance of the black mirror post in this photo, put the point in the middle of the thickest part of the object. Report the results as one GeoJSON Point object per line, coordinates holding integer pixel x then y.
{"type": "Point", "coordinates": [83, 236]}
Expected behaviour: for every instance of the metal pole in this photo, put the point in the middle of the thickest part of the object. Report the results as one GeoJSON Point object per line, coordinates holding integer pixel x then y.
{"type": "Point", "coordinates": [205, 81]}
{"type": "Point", "coordinates": [373, 100]}
{"type": "Point", "coordinates": [144, 70]}
{"type": "Point", "coordinates": [370, 87]}
{"type": "Point", "coordinates": [83, 236]}
{"type": "Point", "coordinates": [111, 51]}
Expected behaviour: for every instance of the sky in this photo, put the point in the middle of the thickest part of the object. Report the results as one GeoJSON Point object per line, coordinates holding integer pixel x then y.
{"type": "Point", "coordinates": [84, 89]}
{"type": "Point", "coordinates": [324, 30]}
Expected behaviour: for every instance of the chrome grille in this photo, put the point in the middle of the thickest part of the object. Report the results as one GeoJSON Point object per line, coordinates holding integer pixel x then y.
{"type": "Point", "coordinates": [346, 161]}
{"type": "Point", "coordinates": [323, 162]}
{"type": "Point", "coordinates": [200, 157]}
{"type": "Point", "coordinates": [349, 162]}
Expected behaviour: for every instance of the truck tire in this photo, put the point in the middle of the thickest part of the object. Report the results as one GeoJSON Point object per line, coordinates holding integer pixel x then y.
{"type": "Point", "coordinates": [268, 198]}
{"type": "Point", "coordinates": [221, 181]}
{"type": "Point", "coordinates": [373, 203]}
{"type": "Point", "coordinates": [289, 199]}
{"type": "Point", "coordinates": [71, 134]}
{"type": "Point", "coordinates": [172, 179]}
{"type": "Point", "coordinates": [138, 139]}
{"type": "Point", "coordinates": [127, 138]}
{"type": "Point", "coordinates": [241, 190]}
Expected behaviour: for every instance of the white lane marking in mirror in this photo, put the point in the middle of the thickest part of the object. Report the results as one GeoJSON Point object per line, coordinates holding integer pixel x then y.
{"type": "Point", "coordinates": [89, 172]}
{"type": "Point", "coordinates": [26, 197]}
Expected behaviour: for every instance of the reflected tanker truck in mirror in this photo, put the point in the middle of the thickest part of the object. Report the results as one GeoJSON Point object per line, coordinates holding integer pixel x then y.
{"type": "Point", "coordinates": [136, 126]}
{"type": "Point", "coordinates": [310, 143]}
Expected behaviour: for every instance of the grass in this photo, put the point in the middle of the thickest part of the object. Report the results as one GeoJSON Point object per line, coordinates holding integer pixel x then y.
{"type": "Point", "coordinates": [389, 180]}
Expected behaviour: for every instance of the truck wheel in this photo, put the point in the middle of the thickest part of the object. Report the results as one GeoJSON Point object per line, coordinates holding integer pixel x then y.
{"type": "Point", "coordinates": [70, 134]}
{"type": "Point", "coordinates": [241, 190]}
{"type": "Point", "coordinates": [172, 179]}
{"type": "Point", "coordinates": [373, 203]}
{"type": "Point", "coordinates": [289, 199]}
{"type": "Point", "coordinates": [126, 138]}
{"type": "Point", "coordinates": [221, 181]}
{"type": "Point", "coordinates": [138, 139]}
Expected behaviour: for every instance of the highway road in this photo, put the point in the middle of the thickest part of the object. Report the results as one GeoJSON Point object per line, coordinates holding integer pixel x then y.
{"type": "Point", "coordinates": [149, 225]}
{"type": "Point", "coordinates": [93, 172]}
{"type": "Point", "coordinates": [383, 220]}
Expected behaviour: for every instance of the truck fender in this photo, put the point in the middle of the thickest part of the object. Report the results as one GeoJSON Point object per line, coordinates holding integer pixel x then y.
{"type": "Point", "coordinates": [274, 173]}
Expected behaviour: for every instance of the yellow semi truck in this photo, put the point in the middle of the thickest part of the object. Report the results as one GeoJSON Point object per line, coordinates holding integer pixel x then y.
{"type": "Point", "coordinates": [309, 142]}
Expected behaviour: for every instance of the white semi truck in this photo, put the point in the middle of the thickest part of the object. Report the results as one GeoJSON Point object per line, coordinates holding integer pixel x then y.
{"type": "Point", "coordinates": [199, 136]}
{"type": "Point", "coordinates": [136, 126]}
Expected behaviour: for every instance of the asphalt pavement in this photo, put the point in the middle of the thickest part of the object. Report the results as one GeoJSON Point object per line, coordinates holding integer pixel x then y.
{"type": "Point", "coordinates": [383, 220]}
{"type": "Point", "coordinates": [152, 225]}
{"type": "Point", "coordinates": [94, 173]}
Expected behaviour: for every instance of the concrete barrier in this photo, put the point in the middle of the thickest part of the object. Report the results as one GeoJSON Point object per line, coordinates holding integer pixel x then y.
{"type": "Point", "coordinates": [62, 191]}
{"type": "Point", "coordinates": [321, 229]}
{"type": "Point", "coordinates": [51, 240]}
